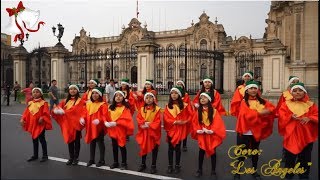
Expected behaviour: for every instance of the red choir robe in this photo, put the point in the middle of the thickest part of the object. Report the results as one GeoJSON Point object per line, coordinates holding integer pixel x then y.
{"type": "Point", "coordinates": [122, 116]}
{"type": "Point", "coordinates": [86, 96]}
{"type": "Point", "coordinates": [236, 100]}
{"type": "Point", "coordinates": [36, 108]}
{"type": "Point", "coordinates": [95, 110]}
{"type": "Point", "coordinates": [250, 119]}
{"type": "Point", "coordinates": [69, 121]}
{"type": "Point", "coordinates": [140, 98]}
{"type": "Point", "coordinates": [285, 96]}
{"type": "Point", "coordinates": [130, 100]}
{"type": "Point", "coordinates": [216, 103]}
{"type": "Point", "coordinates": [177, 132]}
{"type": "Point", "coordinates": [297, 136]}
{"type": "Point", "coordinates": [149, 137]}
{"type": "Point", "coordinates": [208, 142]}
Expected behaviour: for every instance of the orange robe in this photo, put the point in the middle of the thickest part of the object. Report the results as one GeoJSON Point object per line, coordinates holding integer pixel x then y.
{"type": "Point", "coordinates": [285, 96]}
{"type": "Point", "coordinates": [95, 110]}
{"type": "Point", "coordinates": [36, 108]}
{"type": "Point", "coordinates": [177, 132]}
{"type": "Point", "coordinates": [216, 103]}
{"type": "Point", "coordinates": [140, 100]}
{"type": "Point", "coordinates": [69, 121]}
{"type": "Point", "coordinates": [249, 119]}
{"type": "Point", "coordinates": [236, 100]}
{"type": "Point", "coordinates": [122, 116]}
{"type": "Point", "coordinates": [149, 137]}
{"type": "Point", "coordinates": [297, 136]}
{"type": "Point", "coordinates": [86, 96]}
{"type": "Point", "coordinates": [208, 142]}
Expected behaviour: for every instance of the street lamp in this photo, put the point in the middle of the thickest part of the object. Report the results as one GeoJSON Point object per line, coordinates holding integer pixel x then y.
{"type": "Point", "coordinates": [21, 40]}
{"type": "Point", "coordinates": [60, 29]}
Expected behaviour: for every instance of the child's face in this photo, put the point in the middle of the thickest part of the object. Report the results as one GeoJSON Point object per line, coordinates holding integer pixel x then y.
{"type": "Point", "coordinates": [149, 100]}
{"type": "Point", "coordinates": [118, 98]}
{"type": "Point", "coordinates": [92, 85]}
{"type": "Point", "coordinates": [179, 84]}
{"type": "Point", "coordinates": [95, 96]}
{"type": "Point", "coordinates": [204, 100]}
{"type": "Point", "coordinates": [246, 78]}
{"type": "Point", "coordinates": [298, 94]}
{"type": "Point", "coordinates": [174, 95]}
{"type": "Point", "coordinates": [207, 84]}
{"type": "Point", "coordinates": [73, 91]}
{"type": "Point", "coordinates": [253, 91]}
{"type": "Point", "coordinates": [148, 86]}
{"type": "Point", "coordinates": [123, 86]}
{"type": "Point", "coordinates": [36, 94]}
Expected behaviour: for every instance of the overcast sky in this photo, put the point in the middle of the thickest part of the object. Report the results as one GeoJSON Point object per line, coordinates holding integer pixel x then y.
{"type": "Point", "coordinates": [105, 17]}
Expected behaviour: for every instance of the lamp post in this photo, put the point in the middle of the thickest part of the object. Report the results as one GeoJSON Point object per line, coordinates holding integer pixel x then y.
{"type": "Point", "coordinates": [22, 40]}
{"type": "Point", "coordinates": [61, 30]}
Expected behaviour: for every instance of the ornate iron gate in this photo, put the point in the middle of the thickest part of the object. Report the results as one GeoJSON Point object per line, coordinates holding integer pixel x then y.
{"type": "Point", "coordinates": [189, 65]}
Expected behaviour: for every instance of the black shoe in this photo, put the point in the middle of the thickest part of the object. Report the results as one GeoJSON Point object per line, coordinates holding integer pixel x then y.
{"type": "Point", "coordinates": [213, 174]}
{"type": "Point", "coordinates": [114, 165]}
{"type": "Point", "coordinates": [198, 173]}
{"type": "Point", "coordinates": [170, 169]}
{"type": "Point", "coordinates": [256, 176]}
{"type": "Point", "coordinates": [44, 159]}
{"type": "Point", "coordinates": [236, 176]}
{"type": "Point", "coordinates": [142, 167]}
{"type": "Point", "coordinates": [128, 138]}
{"type": "Point", "coordinates": [153, 169]}
{"type": "Point", "coordinates": [69, 162]}
{"type": "Point", "coordinates": [184, 149]}
{"type": "Point", "coordinates": [33, 158]}
{"type": "Point", "coordinates": [90, 163]}
{"type": "Point", "coordinates": [124, 166]}
{"type": "Point", "coordinates": [75, 162]}
{"type": "Point", "coordinates": [177, 169]}
{"type": "Point", "coordinates": [101, 163]}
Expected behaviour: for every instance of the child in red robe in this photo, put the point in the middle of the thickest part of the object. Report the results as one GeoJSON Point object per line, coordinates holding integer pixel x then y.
{"type": "Point", "coordinates": [186, 99]}
{"type": "Point", "coordinates": [149, 131]}
{"type": "Point", "coordinates": [254, 122]}
{"type": "Point", "coordinates": [87, 95]}
{"type": "Point", "coordinates": [139, 96]}
{"type": "Point", "coordinates": [35, 120]}
{"type": "Point", "coordinates": [177, 115]}
{"type": "Point", "coordinates": [67, 115]}
{"type": "Point", "coordinates": [239, 94]}
{"type": "Point", "coordinates": [298, 124]}
{"type": "Point", "coordinates": [207, 86]}
{"type": "Point", "coordinates": [208, 130]}
{"type": "Point", "coordinates": [119, 125]}
{"type": "Point", "coordinates": [96, 112]}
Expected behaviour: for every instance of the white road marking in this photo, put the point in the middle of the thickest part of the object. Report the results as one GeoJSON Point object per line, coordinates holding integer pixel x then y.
{"type": "Point", "coordinates": [117, 170]}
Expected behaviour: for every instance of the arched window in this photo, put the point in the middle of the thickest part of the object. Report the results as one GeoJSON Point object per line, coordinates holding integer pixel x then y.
{"type": "Point", "coordinates": [171, 50]}
{"type": "Point", "coordinates": [159, 71]}
{"type": "Point", "coordinates": [116, 72]}
{"type": "Point", "coordinates": [203, 71]}
{"type": "Point", "coordinates": [203, 44]}
{"type": "Point", "coordinates": [170, 71]}
{"type": "Point", "coordinates": [182, 50]}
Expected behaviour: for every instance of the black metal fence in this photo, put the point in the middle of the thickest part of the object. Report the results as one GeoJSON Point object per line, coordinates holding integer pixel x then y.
{"type": "Point", "coordinates": [188, 65]}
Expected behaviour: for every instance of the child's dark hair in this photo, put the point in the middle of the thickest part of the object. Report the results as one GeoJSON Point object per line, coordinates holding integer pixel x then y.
{"type": "Point", "coordinates": [144, 91]}
{"type": "Point", "coordinates": [114, 103]}
{"type": "Point", "coordinates": [180, 102]}
{"type": "Point", "coordinates": [100, 98]}
{"type": "Point", "coordinates": [211, 92]}
{"type": "Point", "coordinates": [246, 98]}
{"type": "Point", "coordinates": [128, 91]}
{"type": "Point", "coordinates": [210, 112]}
{"type": "Point", "coordinates": [76, 97]}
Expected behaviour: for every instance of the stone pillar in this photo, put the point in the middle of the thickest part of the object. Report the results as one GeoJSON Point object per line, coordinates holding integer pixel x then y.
{"type": "Point", "coordinates": [19, 65]}
{"type": "Point", "coordinates": [145, 61]}
{"type": "Point", "coordinates": [59, 69]}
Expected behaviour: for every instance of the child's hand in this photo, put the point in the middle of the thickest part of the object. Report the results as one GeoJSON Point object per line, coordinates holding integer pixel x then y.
{"type": "Point", "coordinates": [96, 122]}
{"type": "Point", "coordinates": [107, 124]}
{"type": "Point", "coordinates": [113, 124]}
{"type": "Point", "coordinates": [304, 120]}
{"type": "Point", "coordinates": [40, 120]}
{"type": "Point", "coordinates": [294, 116]}
{"type": "Point", "coordinates": [22, 122]}
{"type": "Point", "coordinates": [82, 122]}
{"type": "Point", "coordinates": [200, 131]}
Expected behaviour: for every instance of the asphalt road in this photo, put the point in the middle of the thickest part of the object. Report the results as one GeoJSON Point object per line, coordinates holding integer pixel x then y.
{"type": "Point", "coordinates": [16, 148]}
